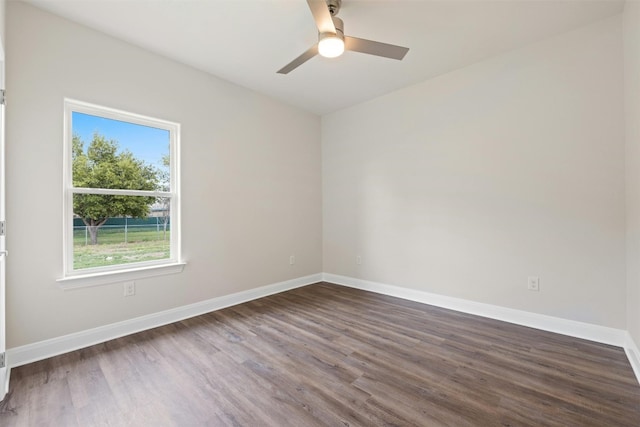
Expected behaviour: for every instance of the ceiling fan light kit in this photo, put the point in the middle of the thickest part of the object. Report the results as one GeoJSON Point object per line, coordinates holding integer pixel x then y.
{"type": "Point", "coordinates": [330, 45]}
{"type": "Point", "coordinates": [331, 39]}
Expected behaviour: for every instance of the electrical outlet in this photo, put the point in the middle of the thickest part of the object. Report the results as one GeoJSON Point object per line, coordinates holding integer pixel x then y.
{"type": "Point", "coordinates": [358, 259]}
{"type": "Point", "coordinates": [292, 260]}
{"type": "Point", "coordinates": [129, 288]}
{"type": "Point", "coordinates": [533, 283]}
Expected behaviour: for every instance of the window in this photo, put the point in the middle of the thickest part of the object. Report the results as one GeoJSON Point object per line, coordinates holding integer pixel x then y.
{"type": "Point", "coordinates": [121, 194]}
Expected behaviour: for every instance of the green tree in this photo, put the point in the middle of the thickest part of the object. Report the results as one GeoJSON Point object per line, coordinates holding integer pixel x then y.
{"type": "Point", "coordinates": [102, 166]}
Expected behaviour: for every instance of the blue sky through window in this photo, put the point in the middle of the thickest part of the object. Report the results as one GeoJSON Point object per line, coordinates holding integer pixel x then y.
{"type": "Point", "coordinates": [146, 143]}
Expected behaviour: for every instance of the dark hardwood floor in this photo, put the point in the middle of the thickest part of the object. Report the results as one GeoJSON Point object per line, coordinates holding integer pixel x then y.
{"type": "Point", "coordinates": [326, 355]}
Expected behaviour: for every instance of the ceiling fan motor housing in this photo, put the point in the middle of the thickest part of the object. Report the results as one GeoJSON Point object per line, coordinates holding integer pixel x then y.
{"type": "Point", "coordinates": [339, 24]}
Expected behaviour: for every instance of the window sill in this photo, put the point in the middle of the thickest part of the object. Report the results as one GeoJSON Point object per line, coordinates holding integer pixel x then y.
{"type": "Point", "coordinates": [109, 277]}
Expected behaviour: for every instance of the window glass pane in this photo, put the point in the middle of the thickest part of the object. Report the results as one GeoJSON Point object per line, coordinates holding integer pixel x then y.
{"type": "Point", "coordinates": [113, 154]}
{"type": "Point", "coordinates": [102, 238]}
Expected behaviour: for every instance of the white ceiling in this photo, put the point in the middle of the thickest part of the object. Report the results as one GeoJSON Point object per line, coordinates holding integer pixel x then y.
{"type": "Point", "coordinates": [247, 41]}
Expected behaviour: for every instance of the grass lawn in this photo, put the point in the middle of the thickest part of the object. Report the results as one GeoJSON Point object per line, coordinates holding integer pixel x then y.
{"type": "Point", "coordinates": [140, 245]}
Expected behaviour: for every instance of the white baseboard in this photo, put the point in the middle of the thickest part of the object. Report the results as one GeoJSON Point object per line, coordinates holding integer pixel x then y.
{"type": "Point", "coordinates": [633, 354]}
{"type": "Point", "coordinates": [44, 349]}
{"type": "Point", "coordinates": [4, 382]}
{"type": "Point", "coordinates": [588, 331]}
{"type": "Point", "coordinates": [18, 356]}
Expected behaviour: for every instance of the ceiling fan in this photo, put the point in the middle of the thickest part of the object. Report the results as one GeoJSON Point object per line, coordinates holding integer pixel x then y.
{"type": "Point", "coordinates": [331, 39]}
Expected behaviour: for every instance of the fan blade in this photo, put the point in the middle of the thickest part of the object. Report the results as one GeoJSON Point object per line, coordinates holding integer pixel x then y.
{"type": "Point", "coordinates": [310, 53]}
{"type": "Point", "coordinates": [322, 16]}
{"type": "Point", "coordinates": [375, 48]}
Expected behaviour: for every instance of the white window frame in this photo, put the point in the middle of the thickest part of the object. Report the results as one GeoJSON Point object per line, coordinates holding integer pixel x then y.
{"type": "Point", "coordinates": [116, 273]}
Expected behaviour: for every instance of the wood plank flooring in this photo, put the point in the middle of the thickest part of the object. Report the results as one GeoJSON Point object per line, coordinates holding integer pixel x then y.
{"type": "Point", "coordinates": [326, 355]}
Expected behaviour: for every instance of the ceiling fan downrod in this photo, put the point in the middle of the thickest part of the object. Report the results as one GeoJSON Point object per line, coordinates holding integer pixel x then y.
{"type": "Point", "coordinates": [334, 6]}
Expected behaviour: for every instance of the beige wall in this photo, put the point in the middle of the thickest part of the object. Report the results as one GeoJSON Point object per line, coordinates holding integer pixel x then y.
{"type": "Point", "coordinates": [3, 25]}
{"type": "Point", "coordinates": [251, 186]}
{"type": "Point", "coordinates": [631, 25]}
{"type": "Point", "coordinates": [462, 185]}
{"type": "Point", "coordinates": [468, 183]}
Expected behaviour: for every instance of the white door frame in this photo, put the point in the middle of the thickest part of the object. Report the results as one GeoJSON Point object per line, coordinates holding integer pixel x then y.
{"type": "Point", "coordinates": [4, 370]}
